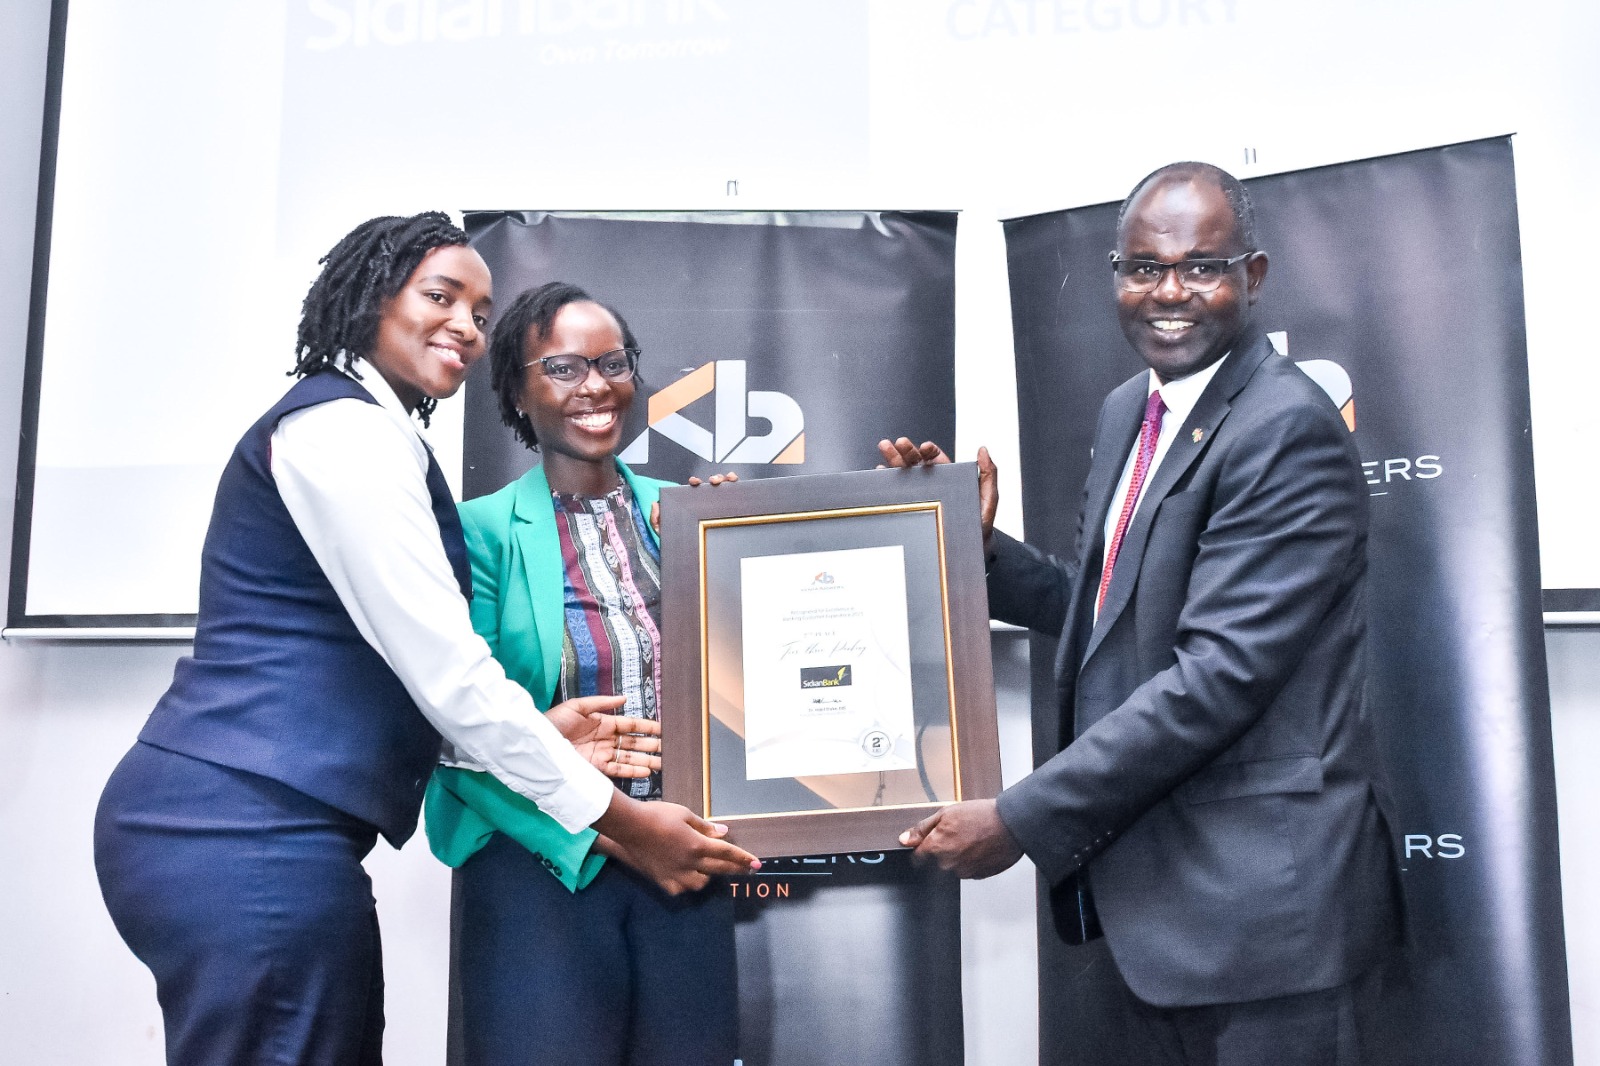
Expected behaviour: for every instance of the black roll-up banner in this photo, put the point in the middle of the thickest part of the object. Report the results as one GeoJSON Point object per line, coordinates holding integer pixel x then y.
{"type": "Point", "coordinates": [1396, 284]}
{"type": "Point", "coordinates": [776, 344]}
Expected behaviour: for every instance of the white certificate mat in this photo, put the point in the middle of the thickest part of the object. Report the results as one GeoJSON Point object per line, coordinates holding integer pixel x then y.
{"type": "Point", "coordinates": [827, 663]}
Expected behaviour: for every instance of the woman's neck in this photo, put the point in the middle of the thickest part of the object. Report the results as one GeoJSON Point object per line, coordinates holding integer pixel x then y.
{"type": "Point", "coordinates": [579, 477]}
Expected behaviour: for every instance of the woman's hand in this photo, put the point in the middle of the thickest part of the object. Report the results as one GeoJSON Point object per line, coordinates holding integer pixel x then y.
{"type": "Point", "coordinates": [716, 479]}
{"type": "Point", "coordinates": [671, 845]}
{"type": "Point", "coordinates": [617, 745]}
{"type": "Point", "coordinates": [902, 453]}
{"type": "Point", "coordinates": [610, 848]}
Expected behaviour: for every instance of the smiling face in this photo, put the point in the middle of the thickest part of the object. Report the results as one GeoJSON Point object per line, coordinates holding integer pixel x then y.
{"type": "Point", "coordinates": [432, 330]}
{"type": "Point", "coordinates": [1175, 331]}
{"type": "Point", "coordinates": [579, 428]}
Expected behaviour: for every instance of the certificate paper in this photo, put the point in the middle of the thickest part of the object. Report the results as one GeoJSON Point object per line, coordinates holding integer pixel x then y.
{"type": "Point", "coordinates": [827, 663]}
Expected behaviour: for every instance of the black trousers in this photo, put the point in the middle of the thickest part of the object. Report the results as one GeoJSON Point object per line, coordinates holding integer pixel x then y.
{"type": "Point", "coordinates": [617, 974]}
{"type": "Point", "coordinates": [249, 903]}
{"type": "Point", "coordinates": [1324, 1028]}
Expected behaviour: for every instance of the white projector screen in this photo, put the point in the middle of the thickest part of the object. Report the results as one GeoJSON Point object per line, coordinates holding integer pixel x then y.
{"type": "Point", "coordinates": [208, 151]}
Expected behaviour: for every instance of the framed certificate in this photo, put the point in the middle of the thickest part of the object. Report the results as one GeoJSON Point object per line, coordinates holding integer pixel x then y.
{"type": "Point", "coordinates": [826, 675]}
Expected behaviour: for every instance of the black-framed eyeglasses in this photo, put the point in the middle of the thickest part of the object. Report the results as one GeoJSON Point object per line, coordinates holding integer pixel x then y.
{"type": "Point", "coordinates": [1196, 275]}
{"type": "Point", "coordinates": [569, 370]}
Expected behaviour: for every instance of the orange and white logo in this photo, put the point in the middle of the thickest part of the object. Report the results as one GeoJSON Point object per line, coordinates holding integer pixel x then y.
{"type": "Point", "coordinates": [729, 440]}
{"type": "Point", "coordinates": [1384, 475]}
{"type": "Point", "coordinates": [1333, 378]}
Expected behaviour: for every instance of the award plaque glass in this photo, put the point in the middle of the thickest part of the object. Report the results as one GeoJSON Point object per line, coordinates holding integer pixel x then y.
{"type": "Point", "coordinates": [826, 676]}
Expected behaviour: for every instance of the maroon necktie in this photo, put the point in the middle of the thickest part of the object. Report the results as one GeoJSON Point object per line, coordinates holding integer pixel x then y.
{"type": "Point", "coordinates": [1149, 432]}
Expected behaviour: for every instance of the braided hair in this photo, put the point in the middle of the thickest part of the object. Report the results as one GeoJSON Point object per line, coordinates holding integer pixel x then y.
{"type": "Point", "coordinates": [366, 269]}
{"type": "Point", "coordinates": [532, 314]}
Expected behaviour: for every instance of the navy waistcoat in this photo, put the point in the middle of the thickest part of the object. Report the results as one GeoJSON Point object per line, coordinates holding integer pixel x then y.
{"type": "Point", "coordinates": [281, 683]}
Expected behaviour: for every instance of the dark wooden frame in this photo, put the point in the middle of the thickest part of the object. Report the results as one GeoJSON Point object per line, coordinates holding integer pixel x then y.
{"type": "Point", "coordinates": [949, 491]}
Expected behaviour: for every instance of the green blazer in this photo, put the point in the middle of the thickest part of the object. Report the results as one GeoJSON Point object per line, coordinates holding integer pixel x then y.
{"type": "Point", "coordinates": [518, 593]}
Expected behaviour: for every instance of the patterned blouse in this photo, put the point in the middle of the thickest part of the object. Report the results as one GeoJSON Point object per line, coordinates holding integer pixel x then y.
{"type": "Point", "coordinates": [613, 608]}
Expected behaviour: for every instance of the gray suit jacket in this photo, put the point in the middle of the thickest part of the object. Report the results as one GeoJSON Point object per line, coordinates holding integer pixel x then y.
{"type": "Point", "coordinates": [1217, 776]}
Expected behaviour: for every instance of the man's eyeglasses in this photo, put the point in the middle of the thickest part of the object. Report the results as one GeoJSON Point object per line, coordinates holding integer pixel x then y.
{"type": "Point", "coordinates": [1196, 275]}
{"type": "Point", "coordinates": [569, 371]}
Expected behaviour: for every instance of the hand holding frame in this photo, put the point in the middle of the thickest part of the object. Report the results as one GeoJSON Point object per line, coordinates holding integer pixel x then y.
{"type": "Point", "coordinates": [671, 845]}
{"type": "Point", "coordinates": [968, 839]}
{"type": "Point", "coordinates": [902, 453]}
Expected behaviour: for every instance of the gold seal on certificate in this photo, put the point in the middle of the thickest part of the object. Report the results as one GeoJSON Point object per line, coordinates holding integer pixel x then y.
{"type": "Point", "coordinates": [827, 663]}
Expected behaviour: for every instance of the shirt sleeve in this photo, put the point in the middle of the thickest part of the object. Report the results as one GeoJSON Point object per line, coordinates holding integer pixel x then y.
{"type": "Point", "coordinates": [353, 478]}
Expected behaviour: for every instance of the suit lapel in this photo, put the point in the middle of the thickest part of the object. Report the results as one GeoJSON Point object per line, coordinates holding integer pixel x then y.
{"type": "Point", "coordinates": [1193, 439]}
{"type": "Point", "coordinates": [1120, 418]}
{"type": "Point", "coordinates": [1119, 429]}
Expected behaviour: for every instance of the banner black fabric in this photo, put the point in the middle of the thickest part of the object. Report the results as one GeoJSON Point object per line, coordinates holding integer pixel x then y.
{"type": "Point", "coordinates": [1396, 284]}
{"type": "Point", "coordinates": [773, 343]}
{"type": "Point", "coordinates": [777, 344]}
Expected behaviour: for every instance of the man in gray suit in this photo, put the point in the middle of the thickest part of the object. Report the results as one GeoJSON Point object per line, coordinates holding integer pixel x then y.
{"type": "Point", "coordinates": [1216, 805]}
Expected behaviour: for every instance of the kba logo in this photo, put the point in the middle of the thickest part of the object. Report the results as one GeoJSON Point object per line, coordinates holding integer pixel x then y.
{"type": "Point", "coordinates": [1330, 376]}
{"type": "Point", "coordinates": [1335, 381]}
{"type": "Point", "coordinates": [729, 440]}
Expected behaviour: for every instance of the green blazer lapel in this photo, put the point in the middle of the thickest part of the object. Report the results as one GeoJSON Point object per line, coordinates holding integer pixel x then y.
{"type": "Point", "coordinates": [533, 528]}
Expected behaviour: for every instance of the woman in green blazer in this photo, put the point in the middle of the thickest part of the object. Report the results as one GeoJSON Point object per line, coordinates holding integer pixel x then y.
{"type": "Point", "coordinates": [557, 954]}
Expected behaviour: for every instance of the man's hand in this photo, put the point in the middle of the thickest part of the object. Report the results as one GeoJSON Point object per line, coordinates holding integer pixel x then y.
{"type": "Point", "coordinates": [902, 453]}
{"type": "Point", "coordinates": [716, 479]}
{"type": "Point", "coordinates": [616, 745]}
{"type": "Point", "coordinates": [671, 845]}
{"type": "Point", "coordinates": [988, 494]}
{"type": "Point", "coordinates": [968, 839]}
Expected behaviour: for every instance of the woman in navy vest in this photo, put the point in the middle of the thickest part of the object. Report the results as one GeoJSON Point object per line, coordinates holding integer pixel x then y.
{"type": "Point", "coordinates": [567, 592]}
{"type": "Point", "coordinates": [333, 649]}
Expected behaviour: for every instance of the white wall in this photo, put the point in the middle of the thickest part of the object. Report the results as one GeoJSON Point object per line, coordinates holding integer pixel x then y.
{"type": "Point", "coordinates": [1574, 657]}
{"type": "Point", "coordinates": [70, 993]}
{"type": "Point", "coordinates": [259, 129]}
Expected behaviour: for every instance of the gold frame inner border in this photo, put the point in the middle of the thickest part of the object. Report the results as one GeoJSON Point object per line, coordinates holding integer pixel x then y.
{"type": "Point", "coordinates": [935, 506]}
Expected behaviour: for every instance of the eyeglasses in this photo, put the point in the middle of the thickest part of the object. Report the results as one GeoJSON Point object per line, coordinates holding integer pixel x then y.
{"type": "Point", "coordinates": [1196, 275]}
{"type": "Point", "coordinates": [569, 371]}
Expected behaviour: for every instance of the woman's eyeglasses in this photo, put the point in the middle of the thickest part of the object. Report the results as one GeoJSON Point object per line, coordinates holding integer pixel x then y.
{"type": "Point", "coordinates": [569, 370]}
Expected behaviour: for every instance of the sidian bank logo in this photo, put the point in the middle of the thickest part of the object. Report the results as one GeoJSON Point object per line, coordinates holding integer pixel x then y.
{"type": "Point", "coordinates": [824, 676]}
{"type": "Point", "coordinates": [729, 440]}
{"type": "Point", "coordinates": [1334, 380]}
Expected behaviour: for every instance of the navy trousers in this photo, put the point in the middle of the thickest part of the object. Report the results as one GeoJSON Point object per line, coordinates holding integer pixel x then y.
{"type": "Point", "coordinates": [249, 903]}
{"type": "Point", "coordinates": [618, 974]}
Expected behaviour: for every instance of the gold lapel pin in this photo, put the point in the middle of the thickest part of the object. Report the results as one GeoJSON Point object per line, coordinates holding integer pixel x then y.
{"type": "Point", "coordinates": [1198, 435]}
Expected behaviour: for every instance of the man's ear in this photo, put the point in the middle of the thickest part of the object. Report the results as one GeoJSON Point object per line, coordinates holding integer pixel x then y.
{"type": "Point", "coordinates": [1255, 272]}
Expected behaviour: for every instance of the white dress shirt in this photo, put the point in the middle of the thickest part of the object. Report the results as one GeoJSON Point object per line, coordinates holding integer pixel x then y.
{"type": "Point", "coordinates": [353, 476]}
{"type": "Point", "coordinates": [1180, 395]}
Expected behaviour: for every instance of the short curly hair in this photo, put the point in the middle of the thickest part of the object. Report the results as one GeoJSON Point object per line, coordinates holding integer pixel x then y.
{"type": "Point", "coordinates": [1233, 190]}
{"type": "Point", "coordinates": [368, 267]}
{"type": "Point", "coordinates": [533, 313]}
